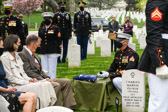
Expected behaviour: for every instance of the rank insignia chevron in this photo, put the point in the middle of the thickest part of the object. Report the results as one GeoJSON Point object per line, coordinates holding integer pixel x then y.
{"type": "Point", "coordinates": [156, 15]}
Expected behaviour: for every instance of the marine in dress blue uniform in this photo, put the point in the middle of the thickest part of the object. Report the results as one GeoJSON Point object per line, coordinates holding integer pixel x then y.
{"type": "Point", "coordinates": [50, 45]}
{"type": "Point", "coordinates": [10, 24]}
{"type": "Point", "coordinates": [63, 20]}
{"type": "Point", "coordinates": [82, 29]}
{"type": "Point", "coordinates": [125, 59]}
{"type": "Point", "coordinates": [154, 60]}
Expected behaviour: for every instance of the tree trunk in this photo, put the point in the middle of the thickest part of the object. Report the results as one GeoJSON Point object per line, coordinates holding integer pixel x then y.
{"type": "Point", "coordinates": [52, 4]}
{"type": "Point", "coordinates": [28, 20]}
{"type": "Point", "coordinates": [72, 6]}
{"type": "Point", "coordinates": [100, 4]}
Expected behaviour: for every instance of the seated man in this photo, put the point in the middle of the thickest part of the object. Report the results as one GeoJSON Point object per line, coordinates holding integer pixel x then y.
{"type": "Point", "coordinates": [124, 59]}
{"type": "Point", "coordinates": [32, 67]}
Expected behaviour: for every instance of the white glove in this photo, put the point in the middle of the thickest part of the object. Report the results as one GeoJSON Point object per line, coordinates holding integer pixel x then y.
{"type": "Point", "coordinates": [46, 72]}
{"type": "Point", "coordinates": [103, 74]}
{"type": "Point", "coordinates": [162, 72]}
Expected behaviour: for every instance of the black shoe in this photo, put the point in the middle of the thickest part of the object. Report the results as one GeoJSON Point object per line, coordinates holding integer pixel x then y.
{"type": "Point", "coordinates": [63, 61]}
{"type": "Point", "coordinates": [58, 61]}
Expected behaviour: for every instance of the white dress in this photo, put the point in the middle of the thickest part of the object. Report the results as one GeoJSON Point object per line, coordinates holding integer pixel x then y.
{"type": "Point", "coordinates": [19, 79]}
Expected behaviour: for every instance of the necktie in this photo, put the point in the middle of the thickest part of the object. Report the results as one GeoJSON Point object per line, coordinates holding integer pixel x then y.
{"type": "Point", "coordinates": [33, 56]}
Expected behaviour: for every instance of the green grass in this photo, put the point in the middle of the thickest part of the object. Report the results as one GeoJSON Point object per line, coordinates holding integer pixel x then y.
{"type": "Point", "coordinates": [94, 63]}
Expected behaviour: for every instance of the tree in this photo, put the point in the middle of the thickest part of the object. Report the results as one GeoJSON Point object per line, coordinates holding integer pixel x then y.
{"type": "Point", "coordinates": [101, 4]}
{"type": "Point", "coordinates": [26, 7]}
{"type": "Point", "coordinates": [136, 4]}
{"type": "Point", "coordinates": [53, 4]}
{"type": "Point", "coordinates": [141, 4]}
{"type": "Point", "coordinates": [1, 6]}
{"type": "Point", "coordinates": [72, 6]}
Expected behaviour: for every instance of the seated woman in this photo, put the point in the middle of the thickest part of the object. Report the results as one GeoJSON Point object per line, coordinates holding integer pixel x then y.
{"type": "Point", "coordinates": [14, 97]}
{"type": "Point", "coordinates": [15, 74]}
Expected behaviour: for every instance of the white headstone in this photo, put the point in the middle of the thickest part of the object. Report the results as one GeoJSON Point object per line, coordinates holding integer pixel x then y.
{"type": "Point", "coordinates": [130, 40]}
{"type": "Point", "coordinates": [91, 47]}
{"type": "Point", "coordinates": [33, 33]}
{"type": "Point", "coordinates": [140, 35]}
{"type": "Point", "coordinates": [142, 42]}
{"type": "Point", "coordinates": [132, 46]}
{"type": "Point", "coordinates": [74, 57]}
{"type": "Point", "coordinates": [96, 34]}
{"type": "Point", "coordinates": [133, 91]}
{"type": "Point", "coordinates": [98, 41]}
{"type": "Point", "coordinates": [35, 26]}
{"type": "Point", "coordinates": [71, 42]}
{"type": "Point", "coordinates": [105, 48]}
{"type": "Point", "coordinates": [100, 33]}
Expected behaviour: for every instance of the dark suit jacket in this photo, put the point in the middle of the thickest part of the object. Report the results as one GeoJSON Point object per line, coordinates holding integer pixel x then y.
{"type": "Point", "coordinates": [30, 67]}
{"type": "Point", "coordinates": [25, 28]}
{"type": "Point", "coordinates": [113, 27]}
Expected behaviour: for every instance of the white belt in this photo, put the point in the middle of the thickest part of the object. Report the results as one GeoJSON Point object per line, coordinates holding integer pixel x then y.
{"type": "Point", "coordinates": [165, 36]}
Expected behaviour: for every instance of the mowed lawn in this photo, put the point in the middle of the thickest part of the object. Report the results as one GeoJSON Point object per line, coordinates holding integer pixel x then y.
{"type": "Point", "coordinates": [94, 63]}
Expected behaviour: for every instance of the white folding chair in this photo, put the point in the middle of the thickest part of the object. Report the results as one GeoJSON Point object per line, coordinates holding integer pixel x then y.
{"type": "Point", "coordinates": [55, 109]}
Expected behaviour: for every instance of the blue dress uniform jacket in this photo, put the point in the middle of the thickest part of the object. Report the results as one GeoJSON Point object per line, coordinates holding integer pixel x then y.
{"type": "Point", "coordinates": [124, 60]}
{"type": "Point", "coordinates": [50, 40]}
{"type": "Point", "coordinates": [156, 24]}
{"type": "Point", "coordinates": [82, 24]}
{"type": "Point", "coordinates": [11, 25]}
{"type": "Point", "coordinates": [63, 21]}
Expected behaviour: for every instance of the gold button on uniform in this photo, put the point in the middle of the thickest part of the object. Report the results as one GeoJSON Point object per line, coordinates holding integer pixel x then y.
{"type": "Point", "coordinates": [162, 62]}
{"type": "Point", "coordinates": [161, 56]}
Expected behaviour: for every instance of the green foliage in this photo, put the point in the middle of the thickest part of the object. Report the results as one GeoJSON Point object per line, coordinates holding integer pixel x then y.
{"type": "Point", "coordinates": [141, 4]}
{"type": "Point", "coordinates": [35, 18]}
